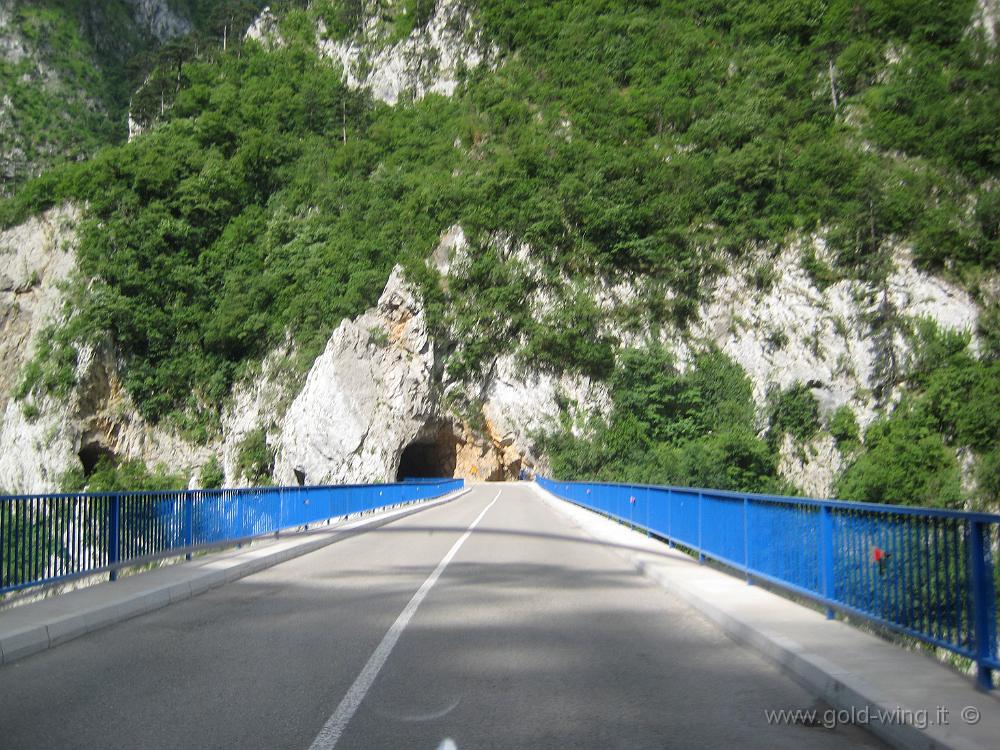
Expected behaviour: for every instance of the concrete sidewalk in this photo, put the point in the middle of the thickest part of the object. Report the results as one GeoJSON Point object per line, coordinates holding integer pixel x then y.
{"type": "Point", "coordinates": [921, 703]}
{"type": "Point", "coordinates": [33, 627]}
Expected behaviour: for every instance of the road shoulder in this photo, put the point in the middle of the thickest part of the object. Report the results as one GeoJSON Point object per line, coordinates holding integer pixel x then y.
{"type": "Point", "coordinates": [855, 672]}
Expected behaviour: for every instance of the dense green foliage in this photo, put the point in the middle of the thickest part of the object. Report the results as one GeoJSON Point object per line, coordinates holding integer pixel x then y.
{"type": "Point", "coordinates": [794, 411]}
{"type": "Point", "coordinates": [844, 427]}
{"type": "Point", "coordinates": [694, 428]}
{"type": "Point", "coordinates": [951, 403]}
{"type": "Point", "coordinates": [255, 458]}
{"type": "Point", "coordinates": [212, 475]}
{"type": "Point", "coordinates": [126, 476]}
{"type": "Point", "coordinates": [651, 139]}
{"type": "Point", "coordinates": [70, 93]}
{"type": "Point", "coordinates": [69, 117]}
{"type": "Point", "coordinates": [906, 462]}
{"type": "Point", "coordinates": [243, 217]}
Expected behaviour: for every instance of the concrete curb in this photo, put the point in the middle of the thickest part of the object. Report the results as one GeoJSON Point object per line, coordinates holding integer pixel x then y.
{"type": "Point", "coordinates": [842, 688]}
{"type": "Point", "coordinates": [41, 625]}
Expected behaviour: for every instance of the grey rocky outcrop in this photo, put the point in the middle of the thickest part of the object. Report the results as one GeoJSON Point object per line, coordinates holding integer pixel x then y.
{"type": "Point", "coordinates": [366, 397]}
{"type": "Point", "coordinates": [43, 437]}
{"type": "Point", "coordinates": [162, 21]}
{"type": "Point", "coordinates": [429, 60]}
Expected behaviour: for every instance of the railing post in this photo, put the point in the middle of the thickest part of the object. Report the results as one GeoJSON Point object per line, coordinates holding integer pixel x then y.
{"type": "Point", "coordinates": [982, 603]}
{"type": "Point", "coordinates": [114, 513]}
{"type": "Point", "coordinates": [670, 518]}
{"type": "Point", "coordinates": [701, 554]}
{"type": "Point", "coordinates": [746, 541]}
{"type": "Point", "coordinates": [281, 511]}
{"type": "Point", "coordinates": [826, 556]}
{"type": "Point", "coordinates": [188, 523]}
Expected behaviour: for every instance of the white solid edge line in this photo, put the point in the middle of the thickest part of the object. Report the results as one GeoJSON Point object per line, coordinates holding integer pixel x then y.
{"type": "Point", "coordinates": [330, 734]}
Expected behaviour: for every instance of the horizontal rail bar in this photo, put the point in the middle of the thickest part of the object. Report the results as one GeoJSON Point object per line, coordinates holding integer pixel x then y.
{"type": "Point", "coordinates": [793, 500]}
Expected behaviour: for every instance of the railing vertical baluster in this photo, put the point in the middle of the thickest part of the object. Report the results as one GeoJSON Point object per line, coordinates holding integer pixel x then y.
{"type": "Point", "coordinates": [649, 493]}
{"type": "Point", "coordinates": [746, 541]}
{"type": "Point", "coordinates": [21, 541]}
{"type": "Point", "coordinates": [927, 587]}
{"type": "Point", "coordinates": [983, 604]}
{"type": "Point", "coordinates": [114, 510]}
{"type": "Point", "coordinates": [826, 557]}
{"type": "Point", "coordinates": [670, 517]}
{"type": "Point", "coordinates": [701, 549]}
{"type": "Point", "coordinates": [188, 522]}
{"type": "Point", "coordinates": [936, 581]}
{"type": "Point", "coordinates": [281, 512]}
{"type": "Point", "coordinates": [5, 545]}
{"type": "Point", "coordinates": [950, 606]}
{"type": "Point", "coordinates": [37, 542]}
{"type": "Point", "coordinates": [968, 619]}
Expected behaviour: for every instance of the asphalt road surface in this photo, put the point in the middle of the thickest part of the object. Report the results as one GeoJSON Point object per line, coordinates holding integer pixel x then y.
{"type": "Point", "coordinates": [518, 633]}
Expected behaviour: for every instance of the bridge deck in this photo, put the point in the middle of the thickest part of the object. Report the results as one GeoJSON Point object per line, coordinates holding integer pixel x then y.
{"type": "Point", "coordinates": [533, 635]}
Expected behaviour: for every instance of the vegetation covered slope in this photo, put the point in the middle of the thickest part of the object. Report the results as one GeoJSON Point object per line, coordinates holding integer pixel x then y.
{"type": "Point", "coordinates": [660, 140]}
{"type": "Point", "coordinates": [68, 69]}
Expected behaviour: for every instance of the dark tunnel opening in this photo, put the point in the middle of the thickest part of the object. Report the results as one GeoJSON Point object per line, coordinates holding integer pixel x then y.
{"type": "Point", "coordinates": [431, 459]}
{"type": "Point", "coordinates": [91, 454]}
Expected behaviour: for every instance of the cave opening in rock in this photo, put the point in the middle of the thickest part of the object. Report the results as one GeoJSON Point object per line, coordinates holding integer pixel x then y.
{"type": "Point", "coordinates": [91, 454]}
{"type": "Point", "coordinates": [429, 457]}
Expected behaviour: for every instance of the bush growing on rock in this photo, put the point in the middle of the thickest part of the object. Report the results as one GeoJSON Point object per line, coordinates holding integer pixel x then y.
{"type": "Point", "coordinates": [844, 427]}
{"type": "Point", "coordinates": [212, 476]}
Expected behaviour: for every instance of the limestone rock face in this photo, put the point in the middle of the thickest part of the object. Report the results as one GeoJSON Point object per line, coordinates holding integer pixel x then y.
{"type": "Point", "coordinates": [43, 437]}
{"type": "Point", "coordinates": [986, 18]}
{"type": "Point", "coordinates": [35, 258]}
{"type": "Point", "coordinates": [258, 403]}
{"type": "Point", "coordinates": [366, 397]}
{"type": "Point", "coordinates": [264, 30]}
{"type": "Point", "coordinates": [839, 340]}
{"type": "Point", "coordinates": [520, 403]}
{"type": "Point", "coordinates": [427, 61]}
{"type": "Point", "coordinates": [160, 19]}
{"type": "Point", "coordinates": [13, 47]}
{"type": "Point", "coordinates": [813, 467]}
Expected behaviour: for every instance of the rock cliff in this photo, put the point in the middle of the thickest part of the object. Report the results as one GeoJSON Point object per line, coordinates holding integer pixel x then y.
{"type": "Point", "coordinates": [429, 60]}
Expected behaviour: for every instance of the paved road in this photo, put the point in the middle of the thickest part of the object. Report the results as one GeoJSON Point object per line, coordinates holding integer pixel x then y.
{"type": "Point", "coordinates": [530, 636]}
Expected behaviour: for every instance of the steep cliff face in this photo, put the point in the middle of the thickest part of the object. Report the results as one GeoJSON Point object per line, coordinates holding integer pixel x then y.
{"type": "Point", "coordinates": [34, 260]}
{"type": "Point", "coordinates": [430, 59]}
{"type": "Point", "coordinates": [372, 409]}
{"type": "Point", "coordinates": [159, 19]}
{"type": "Point", "coordinates": [368, 395]}
{"type": "Point", "coordinates": [42, 437]}
{"type": "Point", "coordinates": [833, 338]}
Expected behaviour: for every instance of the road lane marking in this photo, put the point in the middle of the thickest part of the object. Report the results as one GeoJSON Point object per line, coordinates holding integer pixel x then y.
{"type": "Point", "coordinates": [330, 734]}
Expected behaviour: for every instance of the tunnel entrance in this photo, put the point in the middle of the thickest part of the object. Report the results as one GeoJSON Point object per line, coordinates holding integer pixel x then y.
{"type": "Point", "coordinates": [430, 456]}
{"type": "Point", "coordinates": [91, 454]}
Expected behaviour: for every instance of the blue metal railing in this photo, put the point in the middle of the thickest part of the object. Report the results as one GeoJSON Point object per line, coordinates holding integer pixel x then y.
{"type": "Point", "coordinates": [49, 538]}
{"type": "Point", "coordinates": [931, 574]}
